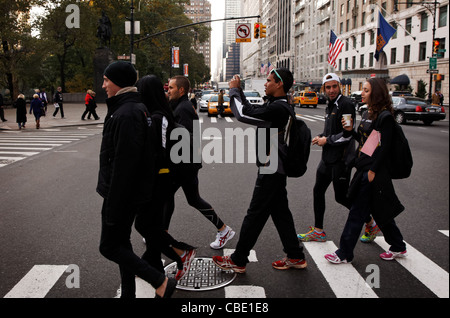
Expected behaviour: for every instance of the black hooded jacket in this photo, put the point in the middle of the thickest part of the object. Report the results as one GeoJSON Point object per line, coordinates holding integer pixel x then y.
{"type": "Point", "coordinates": [126, 173]}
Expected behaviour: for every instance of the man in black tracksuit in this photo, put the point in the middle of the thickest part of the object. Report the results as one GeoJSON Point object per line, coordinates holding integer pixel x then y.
{"type": "Point", "coordinates": [187, 176]}
{"type": "Point", "coordinates": [337, 150]}
{"type": "Point", "coordinates": [270, 195]}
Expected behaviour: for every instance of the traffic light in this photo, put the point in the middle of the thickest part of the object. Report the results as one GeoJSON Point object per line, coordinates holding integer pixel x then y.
{"type": "Point", "coordinates": [263, 31]}
{"type": "Point", "coordinates": [256, 31]}
{"type": "Point", "coordinates": [435, 46]}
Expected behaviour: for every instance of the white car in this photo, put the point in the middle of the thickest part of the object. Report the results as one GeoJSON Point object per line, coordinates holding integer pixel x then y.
{"type": "Point", "coordinates": [203, 102]}
{"type": "Point", "coordinates": [254, 97]}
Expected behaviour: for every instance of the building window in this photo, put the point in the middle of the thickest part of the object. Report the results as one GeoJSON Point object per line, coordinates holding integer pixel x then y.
{"type": "Point", "coordinates": [353, 62]}
{"type": "Point", "coordinates": [443, 16]}
{"type": "Point", "coordinates": [423, 22]}
{"type": "Point", "coordinates": [406, 53]}
{"type": "Point", "coordinates": [363, 39]}
{"type": "Point", "coordinates": [408, 23]}
{"type": "Point", "coordinates": [422, 51]}
{"type": "Point", "coordinates": [371, 60]}
{"type": "Point", "coordinates": [361, 61]}
{"type": "Point", "coordinates": [393, 56]}
{"type": "Point", "coordinates": [394, 25]}
{"type": "Point", "coordinates": [372, 37]}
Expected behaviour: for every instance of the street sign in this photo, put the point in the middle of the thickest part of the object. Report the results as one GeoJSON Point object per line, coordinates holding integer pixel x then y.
{"type": "Point", "coordinates": [433, 71]}
{"type": "Point", "coordinates": [433, 63]}
{"type": "Point", "coordinates": [243, 32]}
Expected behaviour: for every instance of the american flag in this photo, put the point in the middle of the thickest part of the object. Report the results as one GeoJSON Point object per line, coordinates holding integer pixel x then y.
{"type": "Point", "coordinates": [334, 49]}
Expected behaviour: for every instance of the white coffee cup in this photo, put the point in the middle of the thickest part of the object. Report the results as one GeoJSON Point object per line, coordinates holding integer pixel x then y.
{"type": "Point", "coordinates": [347, 118]}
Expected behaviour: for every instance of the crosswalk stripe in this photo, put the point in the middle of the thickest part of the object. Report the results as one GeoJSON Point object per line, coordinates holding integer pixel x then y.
{"type": "Point", "coordinates": [24, 148]}
{"type": "Point", "coordinates": [244, 292]}
{"type": "Point", "coordinates": [228, 119]}
{"type": "Point", "coordinates": [424, 269]}
{"type": "Point", "coordinates": [344, 279]}
{"type": "Point", "coordinates": [23, 153]}
{"type": "Point", "coordinates": [444, 232]}
{"type": "Point", "coordinates": [37, 282]}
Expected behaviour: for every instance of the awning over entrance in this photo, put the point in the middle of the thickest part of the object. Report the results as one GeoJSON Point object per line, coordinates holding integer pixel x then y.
{"type": "Point", "coordinates": [401, 80]}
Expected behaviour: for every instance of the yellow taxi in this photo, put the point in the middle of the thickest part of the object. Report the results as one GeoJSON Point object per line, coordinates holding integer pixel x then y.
{"type": "Point", "coordinates": [306, 98]}
{"type": "Point", "coordinates": [213, 106]}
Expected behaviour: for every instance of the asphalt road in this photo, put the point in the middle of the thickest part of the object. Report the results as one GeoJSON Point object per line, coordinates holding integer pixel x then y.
{"type": "Point", "coordinates": [50, 214]}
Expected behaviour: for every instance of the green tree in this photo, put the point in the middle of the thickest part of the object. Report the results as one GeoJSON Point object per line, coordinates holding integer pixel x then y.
{"type": "Point", "coordinates": [17, 45]}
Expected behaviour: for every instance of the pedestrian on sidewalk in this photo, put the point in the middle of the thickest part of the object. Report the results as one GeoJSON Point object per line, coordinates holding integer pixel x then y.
{"type": "Point", "coordinates": [126, 180]}
{"type": "Point", "coordinates": [150, 224]}
{"type": "Point", "coordinates": [43, 96]}
{"type": "Point", "coordinates": [335, 164]}
{"type": "Point", "coordinates": [91, 105]}
{"type": "Point", "coordinates": [371, 189]}
{"type": "Point", "coordinates": [186, 175]}
{"type": "Point", "coordinates": [21, 111]}
{"type": "Point", "coordinates": [36, 108]}
{"type": "Point", "coordinates": [270, 197]}
{"type": "Point", "coordinates": [58, 102]}
{"type": "Point", "coordinates": [2, 112]}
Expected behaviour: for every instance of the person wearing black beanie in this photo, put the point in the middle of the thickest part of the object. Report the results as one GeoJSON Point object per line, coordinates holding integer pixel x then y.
{"type": "Point", "coordinates": [126, 179]}
{"type": "Point", "coordinates": [122, 74]}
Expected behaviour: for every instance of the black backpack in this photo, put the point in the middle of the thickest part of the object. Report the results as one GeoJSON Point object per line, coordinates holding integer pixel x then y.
{"type": "Point", "coordinates": [400, 162]}
{"type": "Point", "coordinates": [298, 142]}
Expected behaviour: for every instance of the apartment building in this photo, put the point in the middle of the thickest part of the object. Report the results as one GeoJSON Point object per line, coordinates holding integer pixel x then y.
{"type": "Point", "coordinates": [407, 52]}
{"type": "Point", "coordinates": [313, 21]}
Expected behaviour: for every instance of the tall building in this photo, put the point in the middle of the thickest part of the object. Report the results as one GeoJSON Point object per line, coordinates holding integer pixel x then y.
{"type": "Point", "coordinates": [198, 11]}
{"type": "Point", "coordinates": [313, 21]}
{"type": "Point", "coordinates": [233, 49]}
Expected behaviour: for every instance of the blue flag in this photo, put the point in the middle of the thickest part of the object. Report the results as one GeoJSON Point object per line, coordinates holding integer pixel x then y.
{"type": "Point", "coordinates": [384, 34]}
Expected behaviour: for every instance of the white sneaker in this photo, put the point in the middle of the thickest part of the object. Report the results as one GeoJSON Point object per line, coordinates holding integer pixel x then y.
{"type": "Point", "coordinates": [222, 238]}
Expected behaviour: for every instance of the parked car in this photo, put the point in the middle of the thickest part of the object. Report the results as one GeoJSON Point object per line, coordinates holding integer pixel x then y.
{"type": "Point", "coordinates": [322, 98]}
{"type": "Point", "coordinates": [306, 98]}
{"type": "Point", "coordinates": [401, 93]}
{"type": "Point", "coordinates": [356, 99]}
{"type": "Point", "coordinates": [203, 102]}
{"type": "Point", "coordinates": [254, 97]}
{"type": "Point", "coordinates": [415, 108]}
{"type": "Point", "coordinates": [213, 103]}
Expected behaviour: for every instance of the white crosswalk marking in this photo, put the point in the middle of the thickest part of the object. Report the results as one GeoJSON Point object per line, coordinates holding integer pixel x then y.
{"type": "Point", "coordinates": [424, 269]}
{"type": "Point", "coordinates": [244, 292]}
{"type": "Point", "coordinates": [37, 282]}
{"type": "Point", "coordinates": [344, 279]}
{"type": "Point", "coordinates": [18, 146]}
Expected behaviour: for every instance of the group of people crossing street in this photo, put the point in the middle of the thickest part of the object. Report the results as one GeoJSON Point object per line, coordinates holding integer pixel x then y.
{"type": "Point", "coordinates": [138, 181]}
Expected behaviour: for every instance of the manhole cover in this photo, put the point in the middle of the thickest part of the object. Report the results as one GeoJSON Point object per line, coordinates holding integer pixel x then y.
{"type": "Point", "coordinates": [203, 275]}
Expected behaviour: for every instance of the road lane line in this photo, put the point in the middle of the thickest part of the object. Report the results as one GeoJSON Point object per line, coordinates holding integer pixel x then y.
{"type": "Point", "coordinates": [344, 279]}
{"type": "Point", "coordinates": [37, 282]}
{"type": "Point", "coordinates": [424, 269]}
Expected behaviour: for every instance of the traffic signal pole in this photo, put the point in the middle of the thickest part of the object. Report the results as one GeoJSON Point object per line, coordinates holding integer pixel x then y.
{"type": "Point", "coordinates": [192, 24]}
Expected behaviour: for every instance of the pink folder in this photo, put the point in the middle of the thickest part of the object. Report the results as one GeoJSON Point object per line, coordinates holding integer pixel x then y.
{"type": "Point", "coordinates": [371, 143]}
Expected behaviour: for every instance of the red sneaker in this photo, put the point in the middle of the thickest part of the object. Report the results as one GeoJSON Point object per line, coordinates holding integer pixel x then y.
{"type": "Point", "coordinates": [287, 263]}
{"type": "Point", "coordinates": [187, 261]}
{"type": "Point", "coordinates": [225, 262]}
